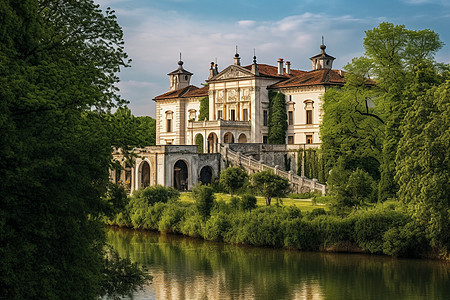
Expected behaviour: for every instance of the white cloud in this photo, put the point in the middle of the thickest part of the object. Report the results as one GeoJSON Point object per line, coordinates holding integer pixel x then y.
{"type": "Point", "coordinates": [154, 45]}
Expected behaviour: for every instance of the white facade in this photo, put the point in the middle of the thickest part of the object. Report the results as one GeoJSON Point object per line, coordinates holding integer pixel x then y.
{"type": "Point", "coordinates": [239, 104]}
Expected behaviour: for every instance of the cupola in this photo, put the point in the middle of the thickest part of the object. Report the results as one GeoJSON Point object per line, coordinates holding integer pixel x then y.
{"type": "Point", "coordinates": [322, 60]}
{"type": "Point", "coordinates": [180, 78]}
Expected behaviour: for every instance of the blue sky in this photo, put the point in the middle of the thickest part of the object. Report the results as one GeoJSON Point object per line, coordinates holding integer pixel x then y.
{"type": "Point", "coordinates": [156, 31]}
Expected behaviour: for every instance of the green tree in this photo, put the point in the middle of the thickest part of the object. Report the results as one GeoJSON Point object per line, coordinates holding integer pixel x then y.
{"type": "Point", "coordinates": [270, 185]}
{"type": "Point", "coordinates": [362, 121]}
{"type": "Point", "coordinates": [58, 61]}
{"type": "Point", "coordinates": [277, 118]}
{"type": "Point", "coordinates": [203, 114]}
{"type": "Point", "coordinates": [199, 142]}
{"type": "Point", "coordinates": [204, 199]}
{"type": "Point", "coordinates": [423, 163]}
{"type": "Point", "coordinates": [233, 179]}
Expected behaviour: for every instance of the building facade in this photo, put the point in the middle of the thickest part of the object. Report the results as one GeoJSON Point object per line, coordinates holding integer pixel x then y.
{"type": "Point", "coordinates": [238, 99]}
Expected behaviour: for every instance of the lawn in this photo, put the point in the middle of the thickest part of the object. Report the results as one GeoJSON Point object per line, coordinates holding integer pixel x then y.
{"type": "Point", "coordinates": [303, 204]}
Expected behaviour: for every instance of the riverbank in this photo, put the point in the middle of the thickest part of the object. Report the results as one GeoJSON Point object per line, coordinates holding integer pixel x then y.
{"type": "Point", "coordinates": [385, 229]}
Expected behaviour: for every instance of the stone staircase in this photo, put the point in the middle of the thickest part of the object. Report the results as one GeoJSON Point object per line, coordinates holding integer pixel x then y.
{"type": "Point", "coordinates": [298, 184]}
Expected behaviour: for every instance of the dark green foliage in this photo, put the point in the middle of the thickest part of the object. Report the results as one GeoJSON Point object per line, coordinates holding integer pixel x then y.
{"type": "Point", "coordinates": [235, 202]}
{"type": "Point", "coordinates": [314, 164]}
{"type": "Point", "coordinates": [405, 241]}
{"type": "Point", "coordinates": [270, 185]}
{"type": "Point", "coordinates": [277, 118]}
{"type": "Point", "coordinates": [157, 193]}
{"type": "Point", "coordinates": [370, 228]}
{"type": "Point", "coordinates": [248, 202]}
{"type": "Point", "coordinates": [116, 197]}
{"type": "Point", "coordinates": [233, 179]}
{"type": "Point", "coordinates": [58, 61]}
{"type": "Point", "coordinates": [423, 164]}
{"type": "Point", "coordinates": [199, 142]}
{"type": "Point", "coordinates": [350, 188]}
{"type": "Point", "coordinates": [203, 114]}
{"type": "Point", "coordinates": [204, 199]}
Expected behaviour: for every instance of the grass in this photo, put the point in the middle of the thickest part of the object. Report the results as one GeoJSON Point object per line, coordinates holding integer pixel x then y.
{"type": "Point", "coordinates": [303, 204]}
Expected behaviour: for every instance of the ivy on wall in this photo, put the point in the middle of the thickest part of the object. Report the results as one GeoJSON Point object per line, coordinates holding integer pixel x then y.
{"type": "Point", "coordinates": [204, 109]}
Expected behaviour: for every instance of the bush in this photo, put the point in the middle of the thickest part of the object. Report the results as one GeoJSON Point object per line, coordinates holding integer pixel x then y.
{"type": "Point", "coordinates": [170, 218]}
{"type": "Point", "coordinates": [233, 179]}
{"type": "Point", "coordinates": [216, 227]}
{"type": "Point", "coordinates": [404, 241]}
{"type": "Point", "coordinates": [157, 193]}
{"type": "Point", "coordinates": [235, 202]}
{"type": "Point", "coordinates": [204, 199]}
{"type": "Point", "coordinates": [301, 235]}
{"type": "Point", "coordinates": [371, 226]}
{"type": "Point", "coordinates": [248, 202]}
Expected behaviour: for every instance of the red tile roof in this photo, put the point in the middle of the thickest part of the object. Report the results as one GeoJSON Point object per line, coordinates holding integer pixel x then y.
{"type": "Point", "coordinates": [272, 71]}
{"type": "Point", "coordinates": [315, 77]}
{"type": "Point", "coordinates": [187, 92]}
{"type": "Point", "coordinates": [176, 94]}
{"type": "Point", "coordinates": [201, 92]}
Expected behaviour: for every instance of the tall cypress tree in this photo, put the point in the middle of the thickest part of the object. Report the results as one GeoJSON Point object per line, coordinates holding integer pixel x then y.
{"type": "Point", "coordinates": [277, 118]}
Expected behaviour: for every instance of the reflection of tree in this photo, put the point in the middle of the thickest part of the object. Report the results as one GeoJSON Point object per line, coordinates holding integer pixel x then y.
{"type": "Point", "coordinates": [229, 270]}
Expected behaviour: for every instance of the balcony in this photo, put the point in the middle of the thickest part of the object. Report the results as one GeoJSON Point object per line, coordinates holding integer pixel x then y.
{"type": "Point", "coordinates": [219, 123]}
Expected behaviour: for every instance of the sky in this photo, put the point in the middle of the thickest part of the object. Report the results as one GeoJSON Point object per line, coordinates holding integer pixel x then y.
{"type": "Point", "coordinates": [156, 31]}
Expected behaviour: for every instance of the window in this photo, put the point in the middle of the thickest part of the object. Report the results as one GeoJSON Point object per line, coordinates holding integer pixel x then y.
{"type": "Point", "coordinates": [290, 117]}
{"type": "Point", "coordinates": [219, 114]}
{"type": "Point", "coordinates": [265, 117]}
{"type": "Point", "coordinates": [169, 116]}
{"type": "Point", "coordinates": [309, 117]}
{"type": "Point", "coordinates": [290, 139]}
{"type": "Point", "coordinates": [245, 114]}
{"type": "Point", "coordinates": [232, 115]}
{"type": "Point", "coordinates": [264, 139]}
{"type": "Point", "coordinates": [309, 139]}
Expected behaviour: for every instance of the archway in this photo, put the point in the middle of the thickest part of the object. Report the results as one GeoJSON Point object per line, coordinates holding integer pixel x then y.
{"type": "Point", "coordinates": [199, 142]}
{"type": "Point", "coordinates": [206, 175]}
{"type": "Point", "coordinates": [212, 143]}
{"type": "Point", "coordinates": [145, 175]}
{"type": "Point", "coordinates": [228, 138]}
{"type": "Point", "coordinates": [242, 138]}
{"type": "Point", "coordinates": [180, 176]}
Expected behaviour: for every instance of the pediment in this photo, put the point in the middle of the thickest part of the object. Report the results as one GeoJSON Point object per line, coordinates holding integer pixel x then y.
{"type": "Point", "coordinates": [232, 72]}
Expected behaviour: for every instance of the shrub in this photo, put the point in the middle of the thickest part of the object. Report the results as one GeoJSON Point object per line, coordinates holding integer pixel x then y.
{"type": "Point", "coordinates": [301, 234]}
{"type": "Point", "coordinates": [170, 218]}
{"type": "Point", "coordinates": [235, 202]}
{"type": "Point", "coordinates": [248, 202]}
{"type": "Point", "coordinates": [216, 227]}
{"type": "Point", "coordinates": [204, 199]}
{"type": "Point", "coordinates": [233, 179]}
{"type": "Point", "coordinates": [157, 193]}
{"type": "Point", "coordinates": [270, 185]}
{"type": "Point", "coordinates": [371, 226]}
{"type": "Point", "coordinates": [404, 241]}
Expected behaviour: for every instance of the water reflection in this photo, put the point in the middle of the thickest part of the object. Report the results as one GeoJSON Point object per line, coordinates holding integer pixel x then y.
{"type": "Point", "coordinates": [184, 268]}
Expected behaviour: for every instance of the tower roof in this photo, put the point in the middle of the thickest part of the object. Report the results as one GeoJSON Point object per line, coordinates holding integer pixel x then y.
{"type": "Point", "coordinates": [180, 70]}
{"type": "Point", "coordinates": [322, 54]}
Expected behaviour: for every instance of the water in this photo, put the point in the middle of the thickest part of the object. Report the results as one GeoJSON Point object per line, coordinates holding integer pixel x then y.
{"type": "Point", "coordinates": [186, 268]}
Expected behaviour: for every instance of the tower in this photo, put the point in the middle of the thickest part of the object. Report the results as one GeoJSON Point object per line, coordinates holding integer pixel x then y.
{"type": "Point", "coordinates": [180, 78]}
{"type": "Point", "coordinates": [322, 60]}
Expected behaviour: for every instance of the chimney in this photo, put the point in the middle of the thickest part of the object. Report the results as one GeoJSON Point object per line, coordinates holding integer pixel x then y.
{"type": "Point", "coordinates": [212, 71]}
{"type": "Point", "coordinates": [255, 67]}
{"type": "Point", "coordinates": [288, 67]}
{"type": "Point", "coordinates": [280, 67]}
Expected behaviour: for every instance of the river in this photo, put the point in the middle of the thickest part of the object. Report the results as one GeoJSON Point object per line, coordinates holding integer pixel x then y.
{"type": "Point", "coordinates": [186, 268]}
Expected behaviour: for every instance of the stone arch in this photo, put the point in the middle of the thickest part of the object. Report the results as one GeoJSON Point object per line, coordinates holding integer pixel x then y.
{"type": "Point", "coordinates": [199, 141]}
{"type": "Point", "coordinates": [144, 174]}
{"type": "Point", "coordinates": [242, 138]}
{"type": "Point", "coordinates": [212, 142]}
{"type": "Point", "coordinates": [180, 175]}
{"type": "Point", "coordinates": [206, 174]}
{"type": "Point", "coordinates": [228, 138]}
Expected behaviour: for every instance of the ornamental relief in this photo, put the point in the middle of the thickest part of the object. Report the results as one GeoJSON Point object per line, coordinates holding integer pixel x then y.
{"type": "Point", "coordinates": [232, 94]}
{"type": "Point", "coordinates": [245, 95]}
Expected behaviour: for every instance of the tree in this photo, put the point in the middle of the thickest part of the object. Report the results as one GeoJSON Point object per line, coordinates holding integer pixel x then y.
{"type": "Point", "coordinates": [204, 199]}
{"type": "Point", "coordinates": [58, 61]}
{"type": "Point", "coordinates": [362, 120]}
{"type": "Point", "coordinates": [233, 178]}
{"type": "Point", "coordinates": [277, 118]}
{"type": "Point", "coordinates": [270, 185]}
{"type": "Point", "coordinates": [423, 163]}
